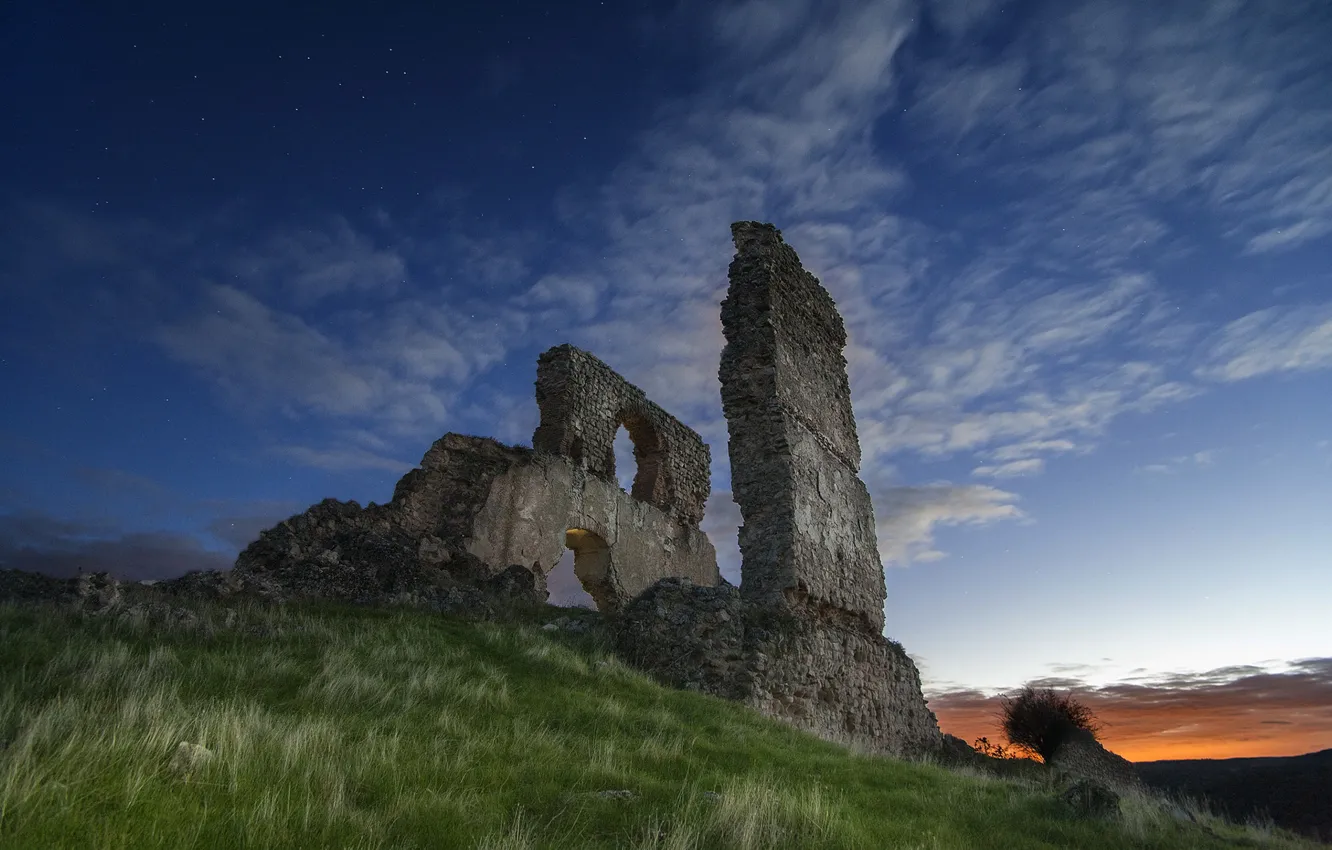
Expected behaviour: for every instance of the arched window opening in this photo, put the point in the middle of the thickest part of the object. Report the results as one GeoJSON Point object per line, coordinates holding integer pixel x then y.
{"type": "Point", "coordinates": [626, 467]}
{"type": "Point", "coordinates": [644, 446]}
{"type": "Point", "coordinates": [591, 566]}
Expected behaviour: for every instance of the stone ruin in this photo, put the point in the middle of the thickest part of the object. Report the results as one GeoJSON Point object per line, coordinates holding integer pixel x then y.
{"type": "Point", "coordinates": [801, 639]}
{"type": "Point", "coordinates": [479, 525]}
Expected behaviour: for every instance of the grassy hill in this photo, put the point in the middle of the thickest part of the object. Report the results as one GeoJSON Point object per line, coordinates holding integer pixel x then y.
{"type": "Point", "coordinates": [1294, 791]}
{"type": "Point", "coordinates": [334, 726]}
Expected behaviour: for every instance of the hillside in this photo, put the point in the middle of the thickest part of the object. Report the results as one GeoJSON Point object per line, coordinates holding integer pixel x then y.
{"type": "Point", "coordinates": [1296, 792]}
{"type": "Point", "coordinates": [333, 726]}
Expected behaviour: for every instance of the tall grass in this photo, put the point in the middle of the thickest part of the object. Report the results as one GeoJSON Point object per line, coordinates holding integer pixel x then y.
{"type": "Point", "coordinates": [330, 726]}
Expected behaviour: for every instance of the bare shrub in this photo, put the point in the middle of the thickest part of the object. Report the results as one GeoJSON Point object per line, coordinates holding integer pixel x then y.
{"type": "Point", "coordinates": [1038, 721]}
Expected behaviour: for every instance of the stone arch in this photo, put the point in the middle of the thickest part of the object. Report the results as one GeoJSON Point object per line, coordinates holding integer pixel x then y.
{"type": "Point", "coordinates": [592, 566]}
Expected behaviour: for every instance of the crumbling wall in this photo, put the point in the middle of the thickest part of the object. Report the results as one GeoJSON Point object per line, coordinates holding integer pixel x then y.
{"type": "Point", "coordinates": [535, 510]}
{"type": "Point", "coordinates": [480, 520]}
{"type": "Point", "coordinates": [825, 674]}
{"type": "Point", "coordinates": [583, 403]}
{"type": "Point", "coordinates": [808, 529]}
{"type": "Point", "coordinates": [802, 638]}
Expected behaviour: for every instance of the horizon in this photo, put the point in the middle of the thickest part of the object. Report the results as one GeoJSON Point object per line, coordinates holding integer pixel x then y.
{"type": "Point", "coordinates": [251, 261]}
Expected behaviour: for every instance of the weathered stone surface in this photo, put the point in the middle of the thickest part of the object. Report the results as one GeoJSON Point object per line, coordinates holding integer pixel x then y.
{"type": "Point", "coordinates": [20, 587]}
{"type": "Point", "coordinates": [1081, 756]}
{"type": "Point", "coordinates": [1090, 799]}
{"type": "Point", "coordinates": [687, 636]}
{"type": "Point", "coordinates": [189, 758]}
{"type": "Point", "coordinates": [820, 671]}
{"type": "Point", "coordinates": [810, 564]}
{"type": "Point", "coordinates": [479, 523]}
{"type": "Point", "coordinates": [621, 545]}
{"type": "Point", "coordinates": [808, 530]}
{"type": "Point", "coordinates": [97, 595]}
{"type": "Point", "coordinates": [584, 402]}
{"type": "Point", "coordinates": [823, 671]}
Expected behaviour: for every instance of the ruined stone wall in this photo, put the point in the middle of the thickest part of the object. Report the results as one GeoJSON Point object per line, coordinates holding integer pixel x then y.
{"type": "Point", "coordinates": [823, 671]}
{"type": "Point", "coordinates": [808, 531]}
{"type": "Point", "coordinates": [530, 508]}
{"type": "Point", "coordinates": [802, 638]}
{"type": "Point", "coordinates": [583, 402]}
{"type": "Point", "coordinates": [818, 670]}
{"type": "Point", "coordinates": [475, 510]}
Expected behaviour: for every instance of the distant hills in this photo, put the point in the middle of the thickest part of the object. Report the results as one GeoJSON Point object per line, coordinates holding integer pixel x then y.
{"type": "Point", "coordinates": [1295, 791]}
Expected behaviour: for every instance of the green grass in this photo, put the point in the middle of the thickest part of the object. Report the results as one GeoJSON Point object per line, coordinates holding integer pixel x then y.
{"type": "Point", "coordinates": [333, 726]}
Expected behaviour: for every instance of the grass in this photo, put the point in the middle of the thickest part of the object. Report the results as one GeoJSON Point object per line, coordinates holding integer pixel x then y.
{"type": "Point", "coordinates": [333, 726]}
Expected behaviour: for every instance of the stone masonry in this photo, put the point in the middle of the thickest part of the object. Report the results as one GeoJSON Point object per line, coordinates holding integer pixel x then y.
{"type": "Point", "coordinates": [802, 638]}
{"type": "Point", "coordinates": [808, 534]}
{"type": "Point", "coordinates": [583, 402]}
{"type": "Point", "coordinates": [479, 521]}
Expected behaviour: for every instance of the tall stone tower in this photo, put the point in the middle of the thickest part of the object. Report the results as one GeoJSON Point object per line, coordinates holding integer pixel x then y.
{"type": "Point", "coordinates": [802, 638]}
{"type": "Point", "coordinates": [808, 535]}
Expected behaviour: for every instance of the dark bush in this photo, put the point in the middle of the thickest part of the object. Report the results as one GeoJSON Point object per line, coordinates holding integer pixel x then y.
{"type": "Point", "coordinates": [1038, 721]}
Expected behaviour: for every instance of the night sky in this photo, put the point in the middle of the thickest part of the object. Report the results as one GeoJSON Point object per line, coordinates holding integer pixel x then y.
{"type": "Point", "coordinates": [250, 259]}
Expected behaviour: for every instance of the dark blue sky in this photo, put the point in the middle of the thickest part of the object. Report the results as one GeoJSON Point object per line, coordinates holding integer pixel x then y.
{"type": "Point", "coordinates": [251, 258]}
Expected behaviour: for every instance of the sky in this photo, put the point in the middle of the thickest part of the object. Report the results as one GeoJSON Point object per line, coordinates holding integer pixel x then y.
{"type": "Point", "coordinates": [252, 257]}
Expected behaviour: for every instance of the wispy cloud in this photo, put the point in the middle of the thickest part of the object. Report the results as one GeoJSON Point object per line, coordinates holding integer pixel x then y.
{"type": "Point", "coordinates": [341, 459]}
{"type": "Point", "coordinates": [312, 264]}
{"type": "Point", "coordinates": [908, 516]}
{"type": "Point", "coordinates": [1175, 464]}
{"type": "Point", "coordinates": [1012, 469]}
{"type": "Point", "coordinates": [1275, 339]}
{"type": "Point", "coordinates": [400, 369]}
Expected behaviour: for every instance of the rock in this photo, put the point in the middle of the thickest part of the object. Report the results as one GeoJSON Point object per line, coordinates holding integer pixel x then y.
{"type": "Point", "coordinates": [187, 759]}
{"type": "Point", "coordinates": [616, 795]}
{"type": "Point", "coordinates": [98, 593]}
{"type": "Point", "coordinates": [1090, 799]}
{"type": "Point", "coordinates": [1080, 756]}
{"type": "Point", "coordinates": [19, 586]}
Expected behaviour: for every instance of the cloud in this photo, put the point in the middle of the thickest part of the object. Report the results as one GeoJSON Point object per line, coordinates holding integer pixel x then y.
{"type": "Point", "coordinates": [1018, 451]}
{"type": "Point", "coordinates": [1012, 469]}
{"type": "Point", "coordinates": [1013, 330]}
{"type": "Point", "coordinates": [907, 516]}
{"type": "Point", "coordinates": [400, 369]}
{"type": "Point", "coordinates": [1272, 340]}
{"type": "Point", "coordinates": [314, 263]}
{"type": "Point", "coordinates": [1179, 462]}
{"type": "Point", "coordinates": [341, 459]}
{"type": "Point", "coordinates": [63, 548]}
{"type": "Point", "coordinates": [1225, 713]}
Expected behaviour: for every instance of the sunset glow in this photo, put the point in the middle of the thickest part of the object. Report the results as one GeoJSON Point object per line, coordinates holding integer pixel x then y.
{"type": "Point", "coordinates": [1191, 717]}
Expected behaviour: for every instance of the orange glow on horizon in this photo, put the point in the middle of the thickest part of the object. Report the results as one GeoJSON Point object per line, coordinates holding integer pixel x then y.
{"type": "Point", "coordinates": [1155, 732]}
